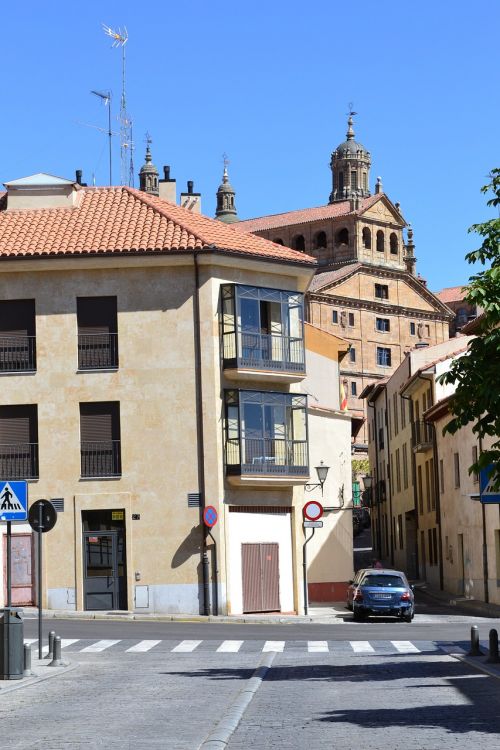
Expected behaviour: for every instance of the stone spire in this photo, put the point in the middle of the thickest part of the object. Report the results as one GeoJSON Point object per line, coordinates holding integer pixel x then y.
{"type": "Point", "coordinates": [148, 175]}
{"type": "Point", "coordinates": [226, 209]}
{"type": "Point", "coordinates": [350, 165]}
{"type": "Point", "coordinates": [409, 256]}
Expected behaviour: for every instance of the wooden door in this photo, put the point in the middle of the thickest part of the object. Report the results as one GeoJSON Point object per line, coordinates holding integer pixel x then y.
{"type": "Point", "coordinates": [260, 574]}
{"type": "Point", "coordinates": [22, 569]}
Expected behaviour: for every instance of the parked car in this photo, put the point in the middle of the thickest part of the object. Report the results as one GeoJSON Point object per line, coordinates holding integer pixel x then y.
{"type": "Point", "coordinates": [351, 589]}
{"type": "Point", "coordinates": [381, 592]}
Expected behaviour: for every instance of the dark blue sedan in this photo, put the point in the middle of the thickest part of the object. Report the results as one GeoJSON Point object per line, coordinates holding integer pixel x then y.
{"type": "Point", "coordinates": [383, 592]}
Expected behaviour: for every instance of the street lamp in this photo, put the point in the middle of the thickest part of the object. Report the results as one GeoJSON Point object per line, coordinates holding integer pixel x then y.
{"type": "Point", "coordinates": [368, 483]}
{"type": "Point", "coordinates": [322, 472]}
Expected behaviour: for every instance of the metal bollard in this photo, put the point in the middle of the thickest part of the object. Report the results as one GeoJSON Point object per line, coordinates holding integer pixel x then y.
{"type": "Point", "coordinates": [56, 661]}
{"type": "Point", "coordinates": [52, 635]}
{"type": "Point", "coordinates": [27, 661]}
{"type": "Point", "coordinates": [493, 657]}
{"type": "Point", "coordinates": [474, 642]}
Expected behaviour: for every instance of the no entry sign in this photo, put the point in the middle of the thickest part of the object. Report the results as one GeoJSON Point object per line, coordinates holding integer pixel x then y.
{"type": "Point", "coordinates": [312, 510]}
{"type": "Point", "coordinates": [210, 516]}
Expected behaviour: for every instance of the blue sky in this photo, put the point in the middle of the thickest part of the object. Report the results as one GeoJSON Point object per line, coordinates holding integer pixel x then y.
{"type": "Point", "coordinates": [269, 83]}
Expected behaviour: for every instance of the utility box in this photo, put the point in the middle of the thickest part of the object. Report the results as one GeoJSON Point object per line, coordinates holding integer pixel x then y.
{"type": "Point", "coordinates": [11, 644]}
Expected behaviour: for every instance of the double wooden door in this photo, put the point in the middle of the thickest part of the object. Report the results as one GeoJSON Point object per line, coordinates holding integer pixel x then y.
{"type": "Point", "coordinates": [260, 570]}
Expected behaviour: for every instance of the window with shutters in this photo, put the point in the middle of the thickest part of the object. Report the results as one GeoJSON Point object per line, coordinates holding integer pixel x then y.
{"type": "Point", "coordinates": [17, 335]}
{"type": "Point", "coordinates": [97, 333]}
{"type": "Point", "coordinates": [100, 439]}
{"type": "Point", "coordinates": [18, 442]}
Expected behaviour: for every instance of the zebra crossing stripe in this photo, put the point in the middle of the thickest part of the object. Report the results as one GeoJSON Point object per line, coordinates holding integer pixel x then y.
{"type": "Point", "coordinates": [230, 647]}
{"type": "Point", "coordinates": [29, 641]}
{"type": "Point", "coordinates": [405, 647]}
{"type": "Point", "coordinates": [362, 647]}
{"type": "Point", "coordinates": [273, 646]}
{"type": "Point", "coordinates": [186, 646]}
{"type": "Point", "coordinates": [142, 646]}
{"type": "Point", "coordinates": [65, 642]}
{"type": "Point", "coordinates": [317, 647]}
{"type": "Point", "coordinates": [99, 646]}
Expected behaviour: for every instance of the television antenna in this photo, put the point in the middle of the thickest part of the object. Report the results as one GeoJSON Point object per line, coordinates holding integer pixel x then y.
{"type": "Point", "coordinates": [105, 97]}
{"type": "Point", "coordinates": [120, 39]}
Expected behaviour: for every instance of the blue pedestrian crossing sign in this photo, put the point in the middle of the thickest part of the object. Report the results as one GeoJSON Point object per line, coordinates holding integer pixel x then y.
{"type": "Point", "coordinates": [488, 494]}
{"type": "Point", "coordinates": [13, 501]}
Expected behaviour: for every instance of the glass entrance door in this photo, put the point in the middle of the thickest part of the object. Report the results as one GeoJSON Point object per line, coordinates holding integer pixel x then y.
{"type": "Point", "coordinates": [104, 570]}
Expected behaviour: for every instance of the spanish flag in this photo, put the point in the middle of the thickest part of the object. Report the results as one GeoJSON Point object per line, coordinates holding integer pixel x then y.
{"type": "Point", "coordinates": [343, 395]}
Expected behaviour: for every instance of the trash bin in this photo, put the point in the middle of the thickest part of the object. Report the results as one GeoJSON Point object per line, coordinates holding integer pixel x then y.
{"type": "Point", "coordinates": [11, 644]}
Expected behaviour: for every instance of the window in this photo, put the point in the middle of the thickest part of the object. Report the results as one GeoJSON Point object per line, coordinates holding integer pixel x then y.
{"type": "Point", "coordinates": [420, 490]}
{"type": "Point", "coordinates": [352, 354]}
{"type": "Point", "coordinates": [335, 316]}
{"type": "Point", "coordinates": [17, 336]}
{"type": "Point", "coordinates": [393, 243]}
{"type": "Point", "coordinates": [97, 333]}
{"type": "Point", "coordinates": [342, 237]}
{"type": "Point", "coordinates": [400, 530]}
{"type": "Point", "coordinates": [381, 291]}
{"type": "Point", "coordinates": [100, 439]}
{"type": "Point", "coordinates": [441, 475]}
{"type": "Point", "coordinates": [381, 437]}
{"type": "Point", "coordinates": [396, 423]}
{"type": "Point", "coordinates": [380, 241]}
{"type": "Point", "coordinates": [299, 243]}
{"type": "Point", "coordinates": [405, 467]}
{"type": "Point", "coordinates": [383, 325]}
{"type": "Point", "coordinates": [403, 413]}
{"type": "Point", "coordinates": [435, 545]}
{"type": "Point", "coordinates": [427, 486]}
{"type": "Point", "coordinates": [365, 181]}
{"type": "Point", "coordinates": [383, 356]}
{"type": "Point", "coordinates": [431, 547]}
{"type": "Point", "coordinates": [351, 319]}
{"type": "Point", "coordinates": [320, 240]}
{"type": "Point", "coordinates": [19, 442]}
{"type": "Point", "coordinates": [433, 484]}
{"type": "Point", "coordinates": [475, 476]}
{"type": "Point", "coordinates": [367, 238]}
{"type": "Point", "coordinates": [354, 180]}
{"type": "Point", "coordinates": [412, 329]}
{"type": "Point", "coordinates": [278, 241]}
{"type": "Point", "coordinates": [398, 471]}
{"type": "Point", "coordinates": [341, 183]}
{"type": "Point", "coordinates": [456, 464]}
{"type": "Point", "coordinates": [354, 388]}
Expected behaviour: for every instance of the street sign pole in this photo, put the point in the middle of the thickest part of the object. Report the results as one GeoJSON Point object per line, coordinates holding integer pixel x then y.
{"type": "Point", "coordinates": [40, 529]}
{"type": "Point", "coordinates": [9, 564]}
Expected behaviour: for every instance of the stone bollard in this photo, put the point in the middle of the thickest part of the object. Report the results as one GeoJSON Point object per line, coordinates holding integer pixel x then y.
{"type": "Point", "coordinates": [27, 661]}
{"type": "Point", "coordinates": [493, 657]}
{"type": "Point", "coordinates": [474, 642]}
{"type": "Point", "coordinates": [56, 661]}
{"type": "Point", "coordinates": [52, 635]}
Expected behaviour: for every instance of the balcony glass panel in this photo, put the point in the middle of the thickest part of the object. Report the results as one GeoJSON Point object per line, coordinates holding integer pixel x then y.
{"type": "Point", "coordinates": [262, 329]}
{"type": "Point", "coordinates": [266, 433]}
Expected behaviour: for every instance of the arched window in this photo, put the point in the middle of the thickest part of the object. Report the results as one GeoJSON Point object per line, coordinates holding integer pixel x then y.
{"type": "Point", "coordinates": [380, 241]}
{"type": "Point", "coordinates": [365, 181]}
{"type": "Point", "coordinates": [354, 180]}
{"type": "Point", "coordinates": [342, 237]}
{"type": "Point", "coordinates": [367, 238]}
{"type": "Point", "coordinates": [393, 240]}
{"type": "Point", "coordinates": [341, 183]}
{"type": "Point", "coordinates": [320, 240]}
{"type": "Point", "coordinates": [299, 242]}
{"type": "Point", "coordinates": [278, 241]}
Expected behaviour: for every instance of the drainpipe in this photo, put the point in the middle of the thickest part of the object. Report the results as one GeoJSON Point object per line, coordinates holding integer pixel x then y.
{"type": "Point", "coordinates": [485, 539]}
{"type": "Point", "coordinates": [200, 442]}
{"type": "Point", "coordinates": [414, 480]}
{"type": "Point", "coordinates": [391, 478]}
{"type": "Point", "coordinates": [374, 489]}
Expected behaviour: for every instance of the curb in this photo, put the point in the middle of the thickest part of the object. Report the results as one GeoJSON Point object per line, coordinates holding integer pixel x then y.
{"type": "Point", "coordinates": [482, 666]}
{"type": "Point", "coordinates": [220, 736]}
{"type": "Point", "coordinates": [28, 682]}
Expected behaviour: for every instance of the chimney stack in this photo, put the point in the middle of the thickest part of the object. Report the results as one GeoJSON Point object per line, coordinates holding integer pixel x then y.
{"type": "Point", "coordinates": [167, 187]}
{"type": "Point", "coordinates": [191, 200]}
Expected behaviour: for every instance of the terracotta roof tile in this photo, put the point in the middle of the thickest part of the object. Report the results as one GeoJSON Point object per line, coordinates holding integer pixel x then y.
{"type": "Point", "coordinates": [125, 220]}
{"type": "Point", "coordinates": [451, 294]}
{"type": "Point", "coordinates": [303, 216]}
{"type": "Point", "coordinates": [328, 277]}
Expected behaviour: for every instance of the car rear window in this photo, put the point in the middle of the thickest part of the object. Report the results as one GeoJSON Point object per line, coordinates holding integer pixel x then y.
{"type": "Point", "coordinates": [378, 580]}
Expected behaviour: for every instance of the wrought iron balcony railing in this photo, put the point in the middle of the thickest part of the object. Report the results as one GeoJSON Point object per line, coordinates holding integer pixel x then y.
{"type": "Point", "coordinates": [264, 351]}
{"type": "Point", "coordinates": [19, 461]}
{"type": "Point", "coordinates": [267, 456]}
{"type": "Point", "coordinates": [422, 434]}
{"type": "Point", "coordinates": [101, 458]}
{"type": "Point", "coordinates": [17, 353]}
{"type": "Point", "coordinates": [97, 351]}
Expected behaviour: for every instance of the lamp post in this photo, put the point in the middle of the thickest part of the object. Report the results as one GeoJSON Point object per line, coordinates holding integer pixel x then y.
{"type": "Point", "coordinates": [322, 472]}
{"type": "Point", "coordinates": [368, 483]}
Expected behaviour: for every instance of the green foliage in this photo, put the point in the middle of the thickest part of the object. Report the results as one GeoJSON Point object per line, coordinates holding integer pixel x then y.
{"type": "Point", "coordinates": [477, 374]}
{"type": "Point", "coordinates": [360, 466]}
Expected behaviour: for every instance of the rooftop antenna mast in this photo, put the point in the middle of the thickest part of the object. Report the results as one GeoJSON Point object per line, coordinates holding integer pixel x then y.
{"type": "Point", "coordinates": [105, 97]}
{"type": "Point", "coordinates": [120, 39]}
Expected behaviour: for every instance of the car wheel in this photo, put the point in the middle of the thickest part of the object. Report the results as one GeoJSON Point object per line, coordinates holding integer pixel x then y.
{"type": "Point", "coordinates": [407, 618]}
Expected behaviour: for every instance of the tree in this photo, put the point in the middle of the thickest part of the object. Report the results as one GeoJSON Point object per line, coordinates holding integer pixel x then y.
{"type": "Point", "coordinates": [477, 373]}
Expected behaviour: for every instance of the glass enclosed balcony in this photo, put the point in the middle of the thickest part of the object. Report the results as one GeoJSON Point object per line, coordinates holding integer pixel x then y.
{"type": "Point", "coordinates": [266, 438]}
{"type": "Point", "coordinates": [262, 333]}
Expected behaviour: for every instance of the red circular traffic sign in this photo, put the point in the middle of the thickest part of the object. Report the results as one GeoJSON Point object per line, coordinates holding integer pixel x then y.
{"type": "Point", "coordinates": [210, 516]}
{"type": "Point", "coordinates": [312, 510]}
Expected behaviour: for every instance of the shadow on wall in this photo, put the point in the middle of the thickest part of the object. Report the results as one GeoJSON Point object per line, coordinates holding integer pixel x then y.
{"type": "Point", "coordinates": [190, 546]}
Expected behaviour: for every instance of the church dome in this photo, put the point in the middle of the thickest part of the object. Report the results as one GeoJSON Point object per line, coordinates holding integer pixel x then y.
{"type": "Point", "coordinates": [350, 165]}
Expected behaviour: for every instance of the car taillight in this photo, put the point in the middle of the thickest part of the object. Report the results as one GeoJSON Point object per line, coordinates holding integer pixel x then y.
{"type": "Point", "coordinates": [405, 597]}
{"type": "Point", "coordinates": [358, 596]}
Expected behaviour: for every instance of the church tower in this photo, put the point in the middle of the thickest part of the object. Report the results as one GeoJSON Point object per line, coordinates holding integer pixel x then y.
{"type": "Point", "coordinates": [350, 165]}
{"type": "Point", "coordinates": [226, 209]}
{"type": "Point", "coordinates": [148, 175]}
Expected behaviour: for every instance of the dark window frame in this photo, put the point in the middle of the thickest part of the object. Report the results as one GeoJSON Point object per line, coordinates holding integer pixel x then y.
{"type": "Point", "coordinates": [100, 443]}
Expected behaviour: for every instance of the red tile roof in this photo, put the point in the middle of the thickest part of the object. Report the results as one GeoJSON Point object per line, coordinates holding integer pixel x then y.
{"type": "Point", "coordinates": [451, 294]}
{"type": "Point", "coordinates": [328, 277]}
{"type": "Point", "coordinates": [109, 220]}
{"type": "Point", "coordinates": [303, 216]}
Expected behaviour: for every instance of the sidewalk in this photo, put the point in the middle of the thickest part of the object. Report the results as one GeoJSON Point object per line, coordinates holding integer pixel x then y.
{"type": "Point", "coordinates": [473, 606]}
{"type": "Point", "coordinates": [40, 671]}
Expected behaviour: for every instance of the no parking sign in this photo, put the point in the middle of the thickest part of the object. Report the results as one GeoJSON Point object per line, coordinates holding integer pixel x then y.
{"type": "Point", "coordinates": [210, 516]}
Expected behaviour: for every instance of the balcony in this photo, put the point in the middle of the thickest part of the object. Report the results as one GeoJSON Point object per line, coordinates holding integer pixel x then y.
{"type": "Point", "coordinates": [17, 354]}
{"type": "Point", "coordinates": [100, 459]}
{"type": "Point", "coordinates": [18, 461]}
{"type": "Point", "coordinates": [422, 436]}
{"type": "Point", "coordinates": [262, 334]}
{"type": "Point", "coordinates": [97, 351]}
